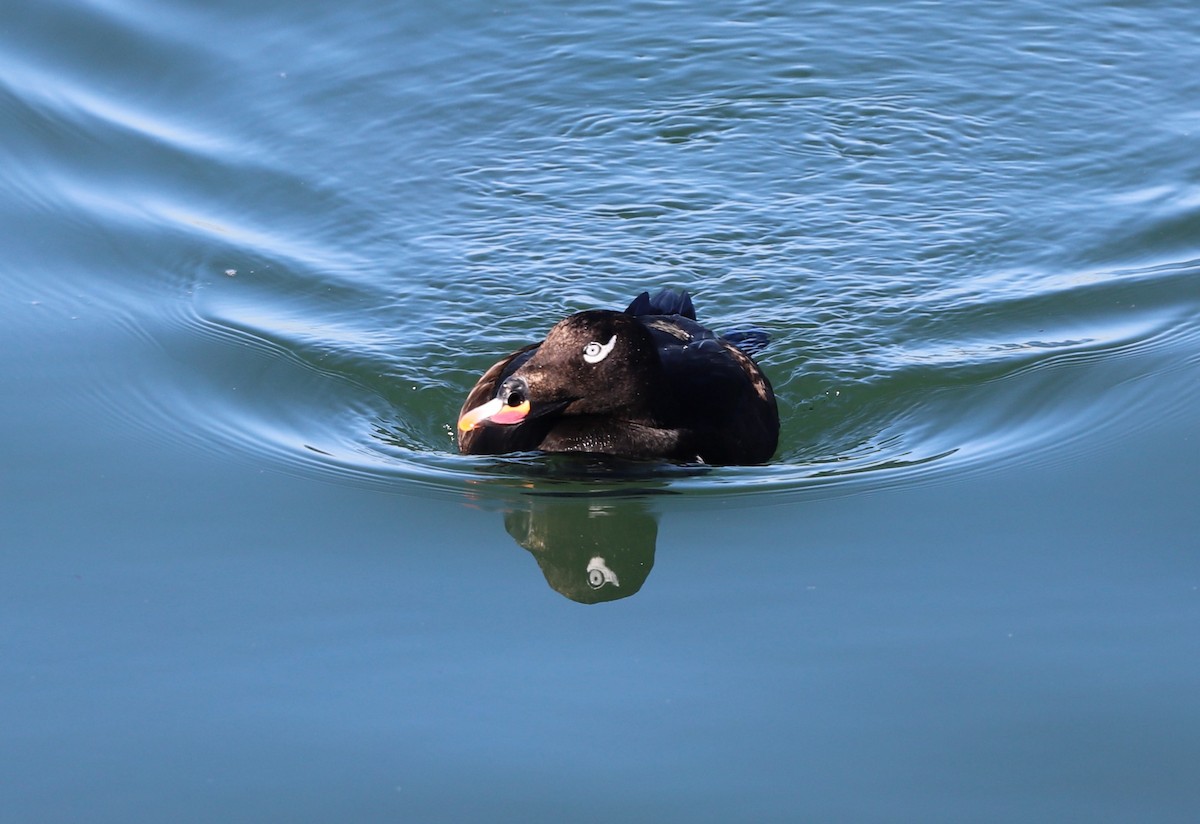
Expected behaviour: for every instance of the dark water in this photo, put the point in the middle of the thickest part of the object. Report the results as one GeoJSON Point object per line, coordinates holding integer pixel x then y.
{"type": "Point", "coordinates": [254, 255]}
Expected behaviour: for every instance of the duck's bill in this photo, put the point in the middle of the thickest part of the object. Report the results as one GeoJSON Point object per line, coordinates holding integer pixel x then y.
{"type": "Point", "coordinates": [494, 411]}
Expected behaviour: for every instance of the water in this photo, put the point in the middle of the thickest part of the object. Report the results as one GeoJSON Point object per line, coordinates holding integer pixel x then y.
{"type": "Point", "coordinates": [254, 257]}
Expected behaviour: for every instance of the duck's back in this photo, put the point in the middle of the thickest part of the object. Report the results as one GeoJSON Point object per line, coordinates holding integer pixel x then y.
{"type": "Point", "coordinates": [723, 404]}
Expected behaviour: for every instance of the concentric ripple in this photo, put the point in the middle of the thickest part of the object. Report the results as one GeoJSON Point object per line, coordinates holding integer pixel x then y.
{"type": "Point", "coordinates": [327, 241]}
{"type": "Point", "coordinates": [981, 383]}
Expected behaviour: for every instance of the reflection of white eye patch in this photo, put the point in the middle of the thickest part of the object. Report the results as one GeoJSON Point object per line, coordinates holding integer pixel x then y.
{"type": "Point", "coordinates": [595, 352]}
{"type": "Point", "coordinates": [599, 574]}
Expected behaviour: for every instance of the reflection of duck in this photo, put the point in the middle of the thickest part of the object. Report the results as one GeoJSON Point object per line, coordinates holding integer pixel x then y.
{"type": "Point", "coordinates": [649, 382]}
{"type": "Point", "coordinates": [589, 549]}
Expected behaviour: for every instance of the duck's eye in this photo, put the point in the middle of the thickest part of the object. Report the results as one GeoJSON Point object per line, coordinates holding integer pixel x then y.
{"type": "Point", "coordinates": [595, 352]}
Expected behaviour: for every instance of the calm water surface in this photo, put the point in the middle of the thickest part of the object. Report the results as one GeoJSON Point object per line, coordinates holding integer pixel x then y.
{"type": "Point", "coordinates": [256, 254]}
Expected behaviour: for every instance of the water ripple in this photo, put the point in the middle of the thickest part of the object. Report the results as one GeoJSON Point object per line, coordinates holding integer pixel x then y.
{"type": "Point", "coordinates": [955, 275]}
{"type": "Point", "coordinates": [344, 399]}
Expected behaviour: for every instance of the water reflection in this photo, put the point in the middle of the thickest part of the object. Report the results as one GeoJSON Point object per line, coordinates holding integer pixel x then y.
{"type": "Point", "coordinates": [590, 549]}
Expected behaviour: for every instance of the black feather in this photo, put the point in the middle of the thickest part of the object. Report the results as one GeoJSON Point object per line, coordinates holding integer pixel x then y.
{"type": "Point", "coordinates": [664, 302]}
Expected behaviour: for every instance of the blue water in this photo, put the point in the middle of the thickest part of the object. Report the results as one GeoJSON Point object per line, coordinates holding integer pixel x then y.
{"type": "Point", "coordinates": [255, 255]}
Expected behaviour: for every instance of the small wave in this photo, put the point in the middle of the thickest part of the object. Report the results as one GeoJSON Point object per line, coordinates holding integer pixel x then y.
{"type": "Point", "coordinates": [316, 286]}
{"type": "Point", "coordinates": [331, 396]}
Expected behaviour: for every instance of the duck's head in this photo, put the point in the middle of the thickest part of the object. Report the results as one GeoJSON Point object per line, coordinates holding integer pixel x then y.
{"type": "Point", "coordinates": [599, 363]}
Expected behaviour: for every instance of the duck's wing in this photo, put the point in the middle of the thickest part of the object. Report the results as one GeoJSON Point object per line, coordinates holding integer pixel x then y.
{"type": "Point", "coordinates": [722, 401]}
{"type": "Point", "coordinates": [701, 367]}
{"type": "Point", "coordinates": [493, 440]}
{"type": "Point", "coordinates": [678, 302]}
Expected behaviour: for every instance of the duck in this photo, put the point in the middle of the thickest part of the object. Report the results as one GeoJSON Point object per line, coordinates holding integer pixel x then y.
{"type": "Point", "coordinates": [645, 383]}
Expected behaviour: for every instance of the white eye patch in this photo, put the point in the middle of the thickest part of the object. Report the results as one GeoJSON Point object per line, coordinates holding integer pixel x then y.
{"type": "Point", "coordinates": [595, 352]}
